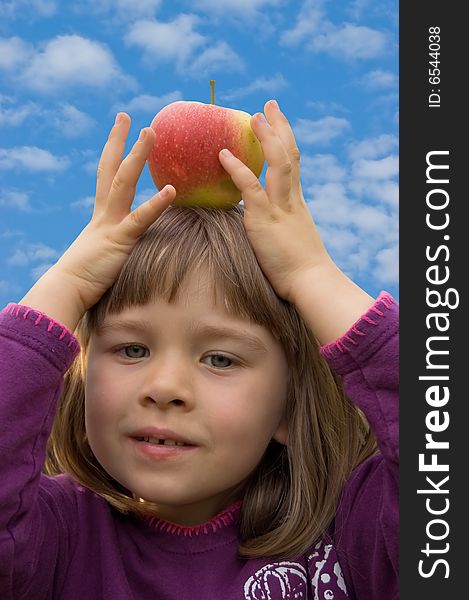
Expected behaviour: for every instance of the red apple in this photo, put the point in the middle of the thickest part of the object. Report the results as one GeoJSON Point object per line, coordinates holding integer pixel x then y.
{"type": "Point", "coordinates": [189, 137]}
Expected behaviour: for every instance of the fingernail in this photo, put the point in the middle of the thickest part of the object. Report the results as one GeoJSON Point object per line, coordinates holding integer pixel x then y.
{"type": "Point", "coordinates": [261, 118]}
{"type": "Point", "coordinates": [164, 192]}
{"type": "Point", "coordinates": [226, 153]}
{"type": "Point", "coordinates": [119, 118]}
{"type": "Point", "coordinates": [143, 135]}
{"type": "Point", "coordinates": [274, 103]}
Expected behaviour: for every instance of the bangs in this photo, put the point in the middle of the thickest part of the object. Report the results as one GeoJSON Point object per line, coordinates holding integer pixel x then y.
{"type": "Point", "coordinates": [185, 241]}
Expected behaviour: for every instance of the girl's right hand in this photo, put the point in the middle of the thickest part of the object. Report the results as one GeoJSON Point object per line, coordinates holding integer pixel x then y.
{"type": "Point", "coordinates": [91, 264]}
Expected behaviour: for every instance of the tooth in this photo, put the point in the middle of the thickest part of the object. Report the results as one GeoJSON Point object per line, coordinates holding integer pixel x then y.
{"type": "Point", "coordinates": [160, 441]}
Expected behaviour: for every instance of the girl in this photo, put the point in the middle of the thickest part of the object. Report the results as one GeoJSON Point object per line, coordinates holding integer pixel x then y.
{"type": "Point", "coordinates": [201, 446]}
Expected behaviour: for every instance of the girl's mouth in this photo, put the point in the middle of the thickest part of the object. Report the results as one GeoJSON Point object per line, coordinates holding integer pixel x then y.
{"type": "Point", "coordinates": [160, 441]}
{"type": "Point", "coordinates": [161, 448]}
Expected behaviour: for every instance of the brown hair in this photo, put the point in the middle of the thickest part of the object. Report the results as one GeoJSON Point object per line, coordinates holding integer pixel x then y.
{"type": "Point", "coordinates": [291, 497]}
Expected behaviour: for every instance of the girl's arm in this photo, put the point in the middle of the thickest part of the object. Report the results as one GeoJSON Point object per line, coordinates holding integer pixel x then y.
{"type": "Point", "coordinates": [329, 302]}
{"type": "Point", "coordinates": [36, 349]}
{"type": "Point", "coordinates": [35, 352]}
{"type": "Point", "coordinates": [91, 264]}
{"type": "Point", "coordinates": [284, 236]}
{"type": "Point", "coordinates": [366, 527]}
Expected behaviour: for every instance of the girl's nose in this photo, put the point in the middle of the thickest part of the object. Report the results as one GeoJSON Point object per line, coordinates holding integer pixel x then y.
{"type": "Point", "coordinates": [167, 383]}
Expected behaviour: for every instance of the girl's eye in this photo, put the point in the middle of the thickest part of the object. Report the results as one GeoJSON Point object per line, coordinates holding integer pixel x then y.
{"type": "Point", "coordinates": [220, 361]}
{"type": "Point", "coordinates": [133, 351]}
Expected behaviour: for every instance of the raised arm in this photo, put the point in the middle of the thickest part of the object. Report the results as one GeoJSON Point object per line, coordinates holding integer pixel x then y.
{"type": "Point", "coordinates": [37, 346]}
{"type": "Point", "coordinates": [285, 238]}
{"type": "Point", "coordinates": [91, 264]}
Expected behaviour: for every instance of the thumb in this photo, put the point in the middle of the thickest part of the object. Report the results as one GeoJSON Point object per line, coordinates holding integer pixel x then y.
{"type": "Point", "coordinates": [140, 219]}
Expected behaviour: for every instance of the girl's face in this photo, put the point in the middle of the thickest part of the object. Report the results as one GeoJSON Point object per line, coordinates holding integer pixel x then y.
{"type": "Point", "coordinates": [191, 371]}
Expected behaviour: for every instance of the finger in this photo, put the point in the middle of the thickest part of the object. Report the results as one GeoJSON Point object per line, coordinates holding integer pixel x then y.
{"type": "Point", "coordinates": [122, 192]}
{"type": "Point", "coordinates": [244, 179]}
{"type": "Point", "coordinates": [281, 125]}
{"type": "Point", "coordinates": [111, 158]}
{"type": "Point", "coordinates": [278, 177]}
{"type": "Point", "coordinates": [140, 219]}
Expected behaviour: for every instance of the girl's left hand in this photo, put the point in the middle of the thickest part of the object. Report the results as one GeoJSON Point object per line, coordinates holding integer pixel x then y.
{"type": "Point", "coordinates": [278, 223]}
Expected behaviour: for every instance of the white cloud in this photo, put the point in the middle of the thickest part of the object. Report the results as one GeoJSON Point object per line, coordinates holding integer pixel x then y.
{"type": "Point", "coordinates": [7, 287]}
{"type": "Point", "coordinates": [322, 131]}
{"type": "Point", "coordinates": [374, 176]}
{"type": "Point", "coordinates": [12, 115]}
{"type": "Point", "coordinates": [367, 9]}
{"type": "Point", "coordinates": [308, 22]}
{"type": "Point", "coordinates": [383, 168]}
{"type": "Point", "coordinates": [11, 9]}
{"type": "Point", "coordinates": [175, 41]}
{"type": "Point", "coordinates": [123, 9]}
{"type": "Point", "coordinates": [9, 234]}
{"type": "Point", "coordinates": [322, 106]}
{"type": "Point", "coordinates": [143, 7]}
{"type": "Point", "coordinates": [29, 253]}
{"type": "Point", "coordinates": [244, 7]}
{"type": "Point", "coordinates": [45, 8]}
{"type": "Point", "coordinates": [178, 42]}
{"type": "Point", "coordinates": [15, 199]}
{"type": "Point", "coordinates": [371, 219]}
{"type": "Point", "coordinates": [380, 79]}
{"type": "Point", "coordinates": [216, 58]}
{"type": "Point", "coordinates": [244, 13]}
{"type": "Point", "coordinates": [71, 122]}
{"type": "Point", "coordinates": [147, 104]}
{"type": "Point", "coordinates": [91, 165]}
{"type": "Point", "coordinates": [357, 7]}
{"type": "Point", "coordinates": [72, 60]}
{"type": "Point", "coordinates": [355, 232]}
{"type": "Point", "coordinates": [14, 52]}
{"type": "Point", "coordinates": [316, 33]}
{"type": "Point", "coordinates": [355, 205]}
{"type": "Point", "coordinates": [387, 265]}
{"type": "Point", "coordinates": [32, 158]}
{"type": "Point", "coordinates": [373, 148]}
{"type": "Point", "coordinates": [385, 192]}
{"type": "Point", "coordinates": [258, 15]}
{"type": "Point", "coordinates": [89, 161]}
{"type": "Point", "coordinates": [66, 118]}
{"type": "Point", "coordinates": [270, 85]}
{"type": "Point", "coordinates": [351, 42]}
{"type": "Point", "coordinates": [330, 204]}
{"type": "Point", "coordinates": [85, 204]}
{"type": "Point", "coordinates": [341, 242]}
{"type": "Point", "coordinates": [321, 168]}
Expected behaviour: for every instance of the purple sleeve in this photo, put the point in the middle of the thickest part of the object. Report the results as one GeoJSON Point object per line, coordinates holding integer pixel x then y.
{"type": "Point", "coordinates": [35, 353]}
{"type": "Point", "coordinates": [366, 527]}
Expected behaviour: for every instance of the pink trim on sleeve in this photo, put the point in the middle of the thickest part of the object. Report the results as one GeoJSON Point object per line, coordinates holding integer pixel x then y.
{"type": "Point", "coordinates": [38, 317]}
{"type": "Point", "coordinates": [353, 336]}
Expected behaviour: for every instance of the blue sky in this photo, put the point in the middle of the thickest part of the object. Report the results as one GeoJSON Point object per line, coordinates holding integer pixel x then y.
{"type": "Point", "coordinates": [66, 68]}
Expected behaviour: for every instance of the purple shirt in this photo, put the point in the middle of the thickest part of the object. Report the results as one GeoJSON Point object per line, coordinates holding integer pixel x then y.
{"type": "Point", "coordinates": [59, 540]}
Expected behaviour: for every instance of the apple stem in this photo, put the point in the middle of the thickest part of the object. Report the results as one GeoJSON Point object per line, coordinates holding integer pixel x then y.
{"type": "Point", "coordinates": [212, 85]}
